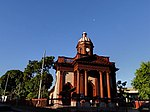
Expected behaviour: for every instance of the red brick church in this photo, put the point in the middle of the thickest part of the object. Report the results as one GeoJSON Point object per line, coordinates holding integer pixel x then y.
{"type": "Point", "coordinates": [90, 75]}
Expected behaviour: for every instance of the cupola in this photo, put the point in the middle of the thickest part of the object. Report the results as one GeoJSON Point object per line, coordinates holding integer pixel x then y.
{"type": "Point", "coordinates": [85, 45]}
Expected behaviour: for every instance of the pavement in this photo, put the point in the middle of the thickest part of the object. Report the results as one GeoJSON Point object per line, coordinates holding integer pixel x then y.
{"type": "Point", "coordinates": [24, 108]}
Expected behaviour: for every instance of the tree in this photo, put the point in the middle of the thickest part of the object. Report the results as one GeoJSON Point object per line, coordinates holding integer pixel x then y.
{"type": "Point", "coordinates": [32, 76]}
{"type": "Point", "coordinates": [141, 81]}
{"type": "Point", "coordinates": [14, 77]}
{"type": "Point", "coordinates": [66, 93]}
{"type": "Point", "coordinates": [26, 84]}
{"type": "Point", "coordinates": [121, 88]}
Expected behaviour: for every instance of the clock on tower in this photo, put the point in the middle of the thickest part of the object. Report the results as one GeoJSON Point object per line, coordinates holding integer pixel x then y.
{"type": "Point", "coordinates": [85, 45]}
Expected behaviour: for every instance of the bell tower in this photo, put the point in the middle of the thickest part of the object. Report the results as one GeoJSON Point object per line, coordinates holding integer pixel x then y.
{"type": "Point", "coordinates": [85, 45]}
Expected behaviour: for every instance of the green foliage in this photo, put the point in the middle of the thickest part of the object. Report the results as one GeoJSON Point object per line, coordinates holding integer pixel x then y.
{"type": "Point", "coordinates": [33, 75]}
{"type": "Point", "coordinates": [14, 79]}
{"type": "Point", "coordinates": [121, 88]}
{"type": "Point", "coordinates": [141, 82]}
{"type": "Point", "coordinates": [26, 84]}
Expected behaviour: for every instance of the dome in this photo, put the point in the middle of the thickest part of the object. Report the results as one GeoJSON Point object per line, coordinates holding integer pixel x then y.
{"type": "Point", "coordinates": [85, 45]}
{"type": "Point", "coordinates": [84, 38]}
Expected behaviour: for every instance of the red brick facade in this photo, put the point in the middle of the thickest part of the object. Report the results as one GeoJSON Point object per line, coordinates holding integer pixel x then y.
{"type": "Point", "coordinates": [93, 75]}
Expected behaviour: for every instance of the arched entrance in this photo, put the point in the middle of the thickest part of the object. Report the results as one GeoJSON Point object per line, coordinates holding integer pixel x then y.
{"type": "Point", "coordinates": [93, 83]}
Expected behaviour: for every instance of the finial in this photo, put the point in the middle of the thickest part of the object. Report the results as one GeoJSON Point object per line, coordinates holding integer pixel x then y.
{"type": "Point", "coordinates": [84, 34]}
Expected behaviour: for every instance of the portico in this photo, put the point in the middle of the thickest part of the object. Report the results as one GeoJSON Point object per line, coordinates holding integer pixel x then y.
{"type": "Point", "coordinates": [99, 79]}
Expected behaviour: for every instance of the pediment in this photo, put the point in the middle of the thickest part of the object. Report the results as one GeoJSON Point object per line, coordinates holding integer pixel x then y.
{"type": "Point", "coordinates": [95, 59]}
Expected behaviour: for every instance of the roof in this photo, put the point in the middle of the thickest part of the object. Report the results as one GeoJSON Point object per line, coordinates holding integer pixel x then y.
{"type": "Point", "coordinates": [84, 38]}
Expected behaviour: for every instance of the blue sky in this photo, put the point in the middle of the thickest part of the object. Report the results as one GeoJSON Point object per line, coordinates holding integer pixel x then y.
{"type": "Point", "coordinates": [119, 29]}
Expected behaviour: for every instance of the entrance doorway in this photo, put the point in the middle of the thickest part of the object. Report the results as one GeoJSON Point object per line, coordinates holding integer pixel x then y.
{"type": "Point", "coordinates": [90, 89]}
{"type": "Point", "coordinates": [66, 94]}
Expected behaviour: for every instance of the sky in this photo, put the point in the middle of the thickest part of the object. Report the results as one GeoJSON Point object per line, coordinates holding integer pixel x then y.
{"type": "Point", "coordinates": [119, 29]}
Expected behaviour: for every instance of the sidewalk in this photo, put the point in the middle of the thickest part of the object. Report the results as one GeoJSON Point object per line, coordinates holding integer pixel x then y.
{"type": "Point", "coordinates": [24, 108]}
{"type": "Point", "coordinates": [32, 109]}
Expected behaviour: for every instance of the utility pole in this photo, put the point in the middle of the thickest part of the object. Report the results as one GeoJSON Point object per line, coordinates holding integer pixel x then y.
{"type": "Point", "coordinates": [4, 98]}
{"type": "Point", "coordinates": [39, 95]}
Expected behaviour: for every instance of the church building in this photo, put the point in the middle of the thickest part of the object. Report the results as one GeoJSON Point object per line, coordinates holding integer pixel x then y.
{"type": "Point", "coordinates": [87, 74]}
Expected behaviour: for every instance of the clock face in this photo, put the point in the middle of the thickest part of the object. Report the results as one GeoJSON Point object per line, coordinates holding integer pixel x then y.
{"type": "Point", "coordinates": [87, 49]}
